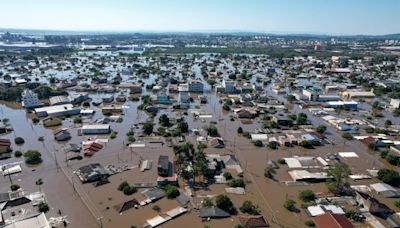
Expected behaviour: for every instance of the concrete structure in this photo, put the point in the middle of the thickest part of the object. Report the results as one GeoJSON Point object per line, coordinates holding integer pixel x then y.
{"type": "Point", "coordinates": [59, 100]}
{"type": "Point", "coordinates": [311, 95]}
{"type": "Point", "coordinates": [229, 86]}
{"type": "Point", "coordinates": [356, 94]}
{"type": "Point", "coordinates": [30, 99]}
{"type": "Point", "coordinates": [395, 103]}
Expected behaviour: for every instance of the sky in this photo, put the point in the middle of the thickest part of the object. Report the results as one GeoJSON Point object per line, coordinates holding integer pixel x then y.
{"type": "Point", "coordinates": [338, 17]}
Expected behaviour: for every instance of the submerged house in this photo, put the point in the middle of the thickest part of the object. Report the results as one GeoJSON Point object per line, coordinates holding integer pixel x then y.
{"type": "Point", "coordinates": [373, 205]}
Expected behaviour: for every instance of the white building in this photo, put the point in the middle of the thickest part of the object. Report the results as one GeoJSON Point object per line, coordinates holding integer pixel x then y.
{"type": "Point", "coordinates": [30, 99]}
{"type": "Point", "coordinates": [96, 129]}
{"type": "Point", "coordinates": [395, 103]}
{"type": "Point", "coordinates": [310, 94]}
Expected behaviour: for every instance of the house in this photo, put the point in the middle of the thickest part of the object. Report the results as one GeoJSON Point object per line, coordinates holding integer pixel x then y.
{"type": "Point", "coordinates": [324, 209]}
{"type": "Point", "coordinates": [59, 100]}
{"type": "Point", "coordinates": [90, 148]}
{"type": "Point", "coordinates": [246, 113]}
{"type": "Point", "coordinates": [385, 190]}
{"type": "Point", "coordinates": [5, 146]}
{"type": "Point", "coordinates": [120, 98]}
{"type": "Point", "coordinates": [164, 181]}
{"type": "Point", "coordinates": [332, 221]}
{"type": "Point", "coordinates": [229, 87]}
{"type": "Point", "coordinates": [111, 109]}
{"type": "Point", "coordinates": [62, 135]}
{"type": "Point", "coordinates": [37, 220]}
{"type": "Point", "coordinates": [29, 99]}
{"type": "Point", "coordinates": [373, 205]}
{"type": "Point", "coordinates": [184, 97]}
{"type": "Point", "coordinates": [162, 99]}
{"type": "Point", "coordinates": [216, 143]}
{"type": "Point", "coordinates": [96, 129]}
{"type": "Point", "coordinates": [357, 94]}
{"type": "Point", "coordinates": [213, 212]}
{"type": "Point", "coordinates": [51, 121]}
{"type": "Point", "coordinates": [163, 166]}
{"type": "Point", "coordinates": [77, 98]}
{"type": "Point", "coordinates": [282, 120]}
{"type": "Point", "coordinates": [195, 86]}
{"type": "Point", "coordinates": [92, 173]}
{"type": "Point", "coordinates": [136, 89]}
{"type": "Point", "coordinates": [108, 98]}
{"type": "Point", "coordinates": [255, 221]}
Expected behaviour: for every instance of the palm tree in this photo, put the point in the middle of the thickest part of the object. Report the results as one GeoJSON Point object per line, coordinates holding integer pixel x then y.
{"type": "Point", "coordinates": [39, 182]}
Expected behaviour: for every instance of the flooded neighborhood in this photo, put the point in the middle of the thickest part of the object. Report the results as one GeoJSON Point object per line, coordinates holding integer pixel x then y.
{"type": "Point", "coordinates": [124, 130]}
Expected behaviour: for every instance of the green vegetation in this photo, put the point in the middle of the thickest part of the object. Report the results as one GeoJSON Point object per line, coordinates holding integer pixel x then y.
{"type": "Point", "coordinates": [309, 223]}
{"type": "Point", "coordinates": [227, 175]}
{"type": "Point", "coordinates": [14, 187]}
{"type": "Point", "coordinates": [33, 157]}
{"type": "Point", "coordinates": [172, 192]}
{"type": "Point", "coordinates": [269, 172]}
{"type": "Point", "coordinates": [321, 129]}
{"type": "Point", "coordinates": [248, 207]}
{"type": "Point", "coordinates": [156, 208]}
{"type": "Point", "coordinates": [347, 136]}
{"type": "Point", "coordinates": [43, 207]}
{"type": "Point", "coordinates": [212, 131]}
{"type": "Point", "coordinates": [225, 203]}
{"type": "Point", "coordinates": [307, 196]}
{"type": "Point", "coordinates": [78, 120]}
{"type": "Point", "coordinates": [258, 143]}
{"type": "Point", "coordinates": [389, 176]}
{"type": "Point", "coordinates": [397, 203]}
{"type": "Point", "coordinates": [240, 130]}
{"type": "Point", "coordinates": [354, 215]}
{"type": "Point", "coordinates": [19, 140]}
{"type": "Point", "coordinates": [113, 134]}
{"type": "Point", "coordinates": [207, 202]}
{"type": "Point", "coordinates": [164, 121]}
{"type": "Point", "coordinates": [339, 173]}
{"type": "Point", "coordinates": [289, 204]}
{"type": "Point", "coordinates": [18, 154]}
{"type": "Point", "coordinates": [234, 183]}
{"type": "Point", "coordinates": [148, 127]}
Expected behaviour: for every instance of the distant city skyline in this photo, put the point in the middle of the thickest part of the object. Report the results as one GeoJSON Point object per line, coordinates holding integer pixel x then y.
{"type": "Point", "coordinates": [339, 17]}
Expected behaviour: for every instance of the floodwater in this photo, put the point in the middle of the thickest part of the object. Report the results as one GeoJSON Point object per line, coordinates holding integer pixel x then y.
{"type": "Point", "coordinates": [88, 206]}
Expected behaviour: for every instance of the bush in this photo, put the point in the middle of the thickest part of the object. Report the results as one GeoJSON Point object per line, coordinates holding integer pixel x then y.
{"type": "Point", "coordinates": [248, 207]}
{"type": "Point", "coordinates": [41, 139]}
{"type": "Point", "coordinates": [258, 143]}
{"type": "Point", "coordinates": [389, 176]}
{"type": "Point", "coordinates": [19, 140]}
{"type": "Point", "coordinates": [397, 203]}
{"type": "Point", "coordinates": [281, 161]}
{"type": "Point", "coordinates": [306, 144]}
{"type": "Point", "coordinates": [289, 204]}
{"type": "Point", "coordinates": [240, 130]}
{"type": "Point", "coordinates": [347, 136]}
{"type": "Point", "coordinates": [77, 120]}
{"type": "Point", "coordinates": [307, 196]}
{"type": "Point", "coordinates": [392, 159]}
{"type": "Point", "coordinates": [224, 202]}
{"type": "Point", "coordinates": [354, 216]}
{"type": "Point", "coordinates": [309, 223]}
{"type": "Point", "coordinates": [321, 129]}
{"type": "Point", "coordinates": [122, 185]}
{"type": "Point", "coordinates": [171, 192]}
{"type": "Point", "coordinates": [35, 120]}
{"type": "Point", "coordinates": [113, 135]}
{"type": "Point", "coordinates": [269, 172]}
{"type": "Point", "coordinates": [372, 147]}
{"type": "Point", "coordinates": [14, 187]}
{"type": "Point", "coordinates": [235, 183]}
{"type": "Point", "coordinates": [43, 207]}
{"type": "Point", "coordinates": [156, 208]}
{"type": "Point", "coordinates": [18, 154]}
{"type": "Point", "coordinates": [228, 175]}
{"type": "Point", "coordinates": [207, 202]}
{"type": "Point", "coordinates": [129, 190]}
{"type": "Point", "coordinates": [33, 157]}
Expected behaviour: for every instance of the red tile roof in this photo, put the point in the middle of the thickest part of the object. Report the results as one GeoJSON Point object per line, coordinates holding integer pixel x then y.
{"type": "Point", "coordinates": [332, 221]}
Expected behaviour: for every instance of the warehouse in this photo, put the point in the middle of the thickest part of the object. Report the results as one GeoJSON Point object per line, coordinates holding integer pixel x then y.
{"type": "Point", "coordinates": [57, 110]}
{"type": "Point", "coordinates": [96, 129]}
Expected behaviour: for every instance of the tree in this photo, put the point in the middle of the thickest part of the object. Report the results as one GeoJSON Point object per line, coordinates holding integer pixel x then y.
{"type": "Point", "coordinates": [207, 202]}
{"type": "Point", "coordinates": [33, 157]}
{"type": "Point", "coordinates": [347, 136]}
{"type": "Point", "coordinates": [14, 187]}
{"type": "Point", "coordinates": [240, 130]}
{"type": "Point", "coordinates": [309, 223]}
{"type": "Point", "coordinates": [224, 202]}
{"type": "Point", "coordinates": [392, 159]}
{"type": "Point", "coordinates": [306, 144]}
{"type": "Point", "coordinates": [19, 140]}
{"type": "Point", "coordinates": [388, 123]}
{"type": "Point", "coordinates": [269, 172]}
{"type": "Point", "coordinates": [273, 145]}
{"type": "Point", "coordinates": [39, 183]}
{"type": "Point", "coordinates": [397, 203]}
{"type": "Point", "coordinates": [321, 129]}
{"type": "Point", "coordinates": [289, 204]}
{"type": "Point", "coordinates": [148, 127]}
{"type": "Point", "coordinates": [235, 183]}
{"type": "Point", "coordinates": [248, 207]}
{"type": "Point", "coordinates": [122, 185]}
{"type": "Point", "coordinates": [183, 127]}
{"type": "Point", "coordinates": [129, 190]}
{"type": "Point", "coordinates": [156, 208]}
{"type": "Point", "coordinates": [389, 176]}
{"type": "Point", "coordinates": [164, 120]}
{"type": "Point", "coordinates": [77, 120]}
{"type": "Point", "coordinates": [172, 192]}
{"type": "Point", "coordinates": [302, 118]}
{"type": "Point", "coordinates": [372, 147]}
{"type": "Point", "coordinates": [307, 196]}
{"type": "Point", "coordinates": [228, 175]}
{"type": "Point", "coordinates": [212, 131]}
{"type": "Point", "coordinates": [43, 207]}
{"type": "Point", "coordinates": [339, 175]}
{"type": "Point", "coordinates": [258, 143]}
